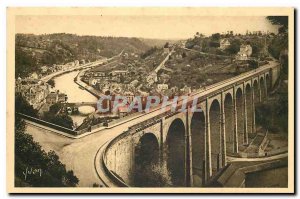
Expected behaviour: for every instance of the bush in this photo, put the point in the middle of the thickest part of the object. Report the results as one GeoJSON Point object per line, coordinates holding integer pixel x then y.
{"type": "Point", "coordinates": [51, 82]}
{"type": "Point", "coordinates": [22, 106]}
{"type": "Point", "coordinates": [234, 47]}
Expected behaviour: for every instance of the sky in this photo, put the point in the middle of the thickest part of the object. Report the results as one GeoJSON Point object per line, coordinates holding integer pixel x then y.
{"type": "Point", "coordinates": [159, 27]}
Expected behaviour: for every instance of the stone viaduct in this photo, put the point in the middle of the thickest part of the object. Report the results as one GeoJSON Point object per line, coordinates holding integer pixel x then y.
{"type": "Point", "coordinates": [193, 146]}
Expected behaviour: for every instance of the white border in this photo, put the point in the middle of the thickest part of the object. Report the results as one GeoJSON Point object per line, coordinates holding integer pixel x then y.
{"type": "Point", "coordinates": [14, 3]}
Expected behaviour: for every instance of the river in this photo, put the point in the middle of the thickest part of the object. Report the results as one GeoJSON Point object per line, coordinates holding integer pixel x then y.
{"type": "Point", "coordinates": [65, 84]}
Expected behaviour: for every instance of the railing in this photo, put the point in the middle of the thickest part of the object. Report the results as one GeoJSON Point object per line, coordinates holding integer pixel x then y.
{"type": "Point", "coordinates": [48, 124]}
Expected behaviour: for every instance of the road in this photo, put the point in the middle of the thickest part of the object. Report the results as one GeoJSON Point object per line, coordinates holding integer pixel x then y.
{"type": "Point", "coordinates": [79, 154]}
{"type": "Point", "coordinates": [162, 64]}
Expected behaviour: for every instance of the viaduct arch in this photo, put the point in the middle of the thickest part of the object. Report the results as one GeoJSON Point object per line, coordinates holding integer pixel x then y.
{"type": "Point", "coordinates": [194, 145]}
{"type": "Point", "coordinates": [176, 152]}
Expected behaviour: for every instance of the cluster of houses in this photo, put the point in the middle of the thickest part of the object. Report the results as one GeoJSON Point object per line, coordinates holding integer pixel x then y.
{"type": "Point", "coordinates": [45, 70]}
{"type": "Point", "coordinates": [129, 79]}
{"type": "Point", "coordinates": [38, 93]}
{"type": "Point", "coordinates": [244, 53]}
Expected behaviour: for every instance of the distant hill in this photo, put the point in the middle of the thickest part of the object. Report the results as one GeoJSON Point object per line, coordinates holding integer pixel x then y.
{"type": "Point", "coordinates": [158, 42]}
{"type": "Point", "coordinates": [33, 51]}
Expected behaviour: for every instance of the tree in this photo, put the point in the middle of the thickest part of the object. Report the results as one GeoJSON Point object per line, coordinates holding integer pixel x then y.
{"type": "Point", "coordinates": [189, 43]}
{"type": "Point", "coordinates": [234, 46]}
{"type": "Point", "coordinates": [29, 155]}
{"type": "Point", "coordinates": [149, 52]}
{"type": "Point", "coordinates": [253, 64]}
{"type": "Point", "coordinates": [22, 106]}
{"type": "Point", "coordinates": [214, 44]}
{"type": "Point", "coordinates": [55, 108]}
{"type": "Point", "coordinates": [25, 63]}
{"type": "Point", "coordinates": [277, 45]}
{"type": "Point", "coordinates": [216, 36]}
{"type": "Point", "coordinates": [51, 82]}
{"type": "Point", "coordinates": [62, 119]}
{"type": "Point", "coordinates": [282, 21]}
{"type": "Point", "coordinates": [257, 47]}
{"type": "Point", "coordinates": [166, 45]}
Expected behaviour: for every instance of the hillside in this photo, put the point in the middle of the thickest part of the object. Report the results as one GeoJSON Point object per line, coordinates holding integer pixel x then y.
{"type": "Point", "coordinates": [158, 42]}
{"type": "Point", "coordinates": [34, 51]}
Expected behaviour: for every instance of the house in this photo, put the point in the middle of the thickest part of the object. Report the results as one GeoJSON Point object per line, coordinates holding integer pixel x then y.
{"type": "Point", "coordinates": [166, 50]}
{"type": "Point", "coordinates": [33, 90]}
{"type": "Point", "coordinates": [129, 95]}
{"type": "Point", "coordinates": [186, 90]}
{"type": "Point", "coordinates": [246, 49]}
{"type": "Point", "coordinates": [61, 98]}
{"type": "Point", "coordinates": [58, 67]}
{"type": "Point", "coordinates": [123, 111]}
{"type": "Point", "coordinates": [224, 43]}
{"type": "Point", "coordinates": [134, 83]}
{"type": "Point", "coordinates": [82, 61]}
{"type": "Point", "coordinates": [56, 97]}
{"type": "Point", "coordinates": [44, 69]}
{"type": "Point", "coordinates": [152, 78]}
{"type": "Point", "coordinates": [34, 75]}
{"type": "Point", "coordinates": [116, 75]}
{"type": "Point", "coordinates": [161, 87]}
{"type": "Point", "coordinates": [35, 96]}
{"type": "Point", "coordinates": [109, 72]}
{"type": "Point", "coordinates": [92, 81]}
{"type": "Point", "coordinates": [244, 53]}
{"type": "Point", "coordinates": [174, 89]}
{"type": "Point", "coordinates": [164, 78]}
{"type": "Point", "coordinates": [52, 69]}
{"type": "Point", "coordinates": [76, 63]}
{"type": "Point", "coordinates": [52, 98]}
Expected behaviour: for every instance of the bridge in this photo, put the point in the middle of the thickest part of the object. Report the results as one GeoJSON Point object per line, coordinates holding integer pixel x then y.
{"type": "Point", "coordinates": [194, 146]}
{"type": "Point", "coordinates": [79, 104]}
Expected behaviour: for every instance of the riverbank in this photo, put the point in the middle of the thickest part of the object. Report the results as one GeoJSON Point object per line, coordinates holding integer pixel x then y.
{"type": "Point", "coordinates": [85, 86]}
{"type": "Point", "coordinates": [65, 84]}
{"type": "Point", "coordinates": [80, 67]}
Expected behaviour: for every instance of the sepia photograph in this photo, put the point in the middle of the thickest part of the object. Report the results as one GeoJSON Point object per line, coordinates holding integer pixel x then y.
{"type": "Point", "coordinates": [150, 100]}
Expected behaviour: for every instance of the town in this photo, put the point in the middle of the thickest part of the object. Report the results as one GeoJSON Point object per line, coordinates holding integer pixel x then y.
{"type": "Point", "coordinates": [173, 69]}
{"type": "Point", "coordinates": [153, 108]}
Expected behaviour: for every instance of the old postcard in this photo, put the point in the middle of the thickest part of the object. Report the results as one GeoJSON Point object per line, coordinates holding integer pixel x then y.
{"type": "Point", "coordinates": [150, 100]}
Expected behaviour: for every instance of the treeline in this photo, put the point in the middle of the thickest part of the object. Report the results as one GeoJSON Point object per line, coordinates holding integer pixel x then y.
{"type": "Point", "coordinates": [211, 44]}
{"type": "Point", "coordinates": [273, 115]}
{"type": "Point", "coordinates": [33, 51]}
{"type": "Point", "coordinates": [149, 52]}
